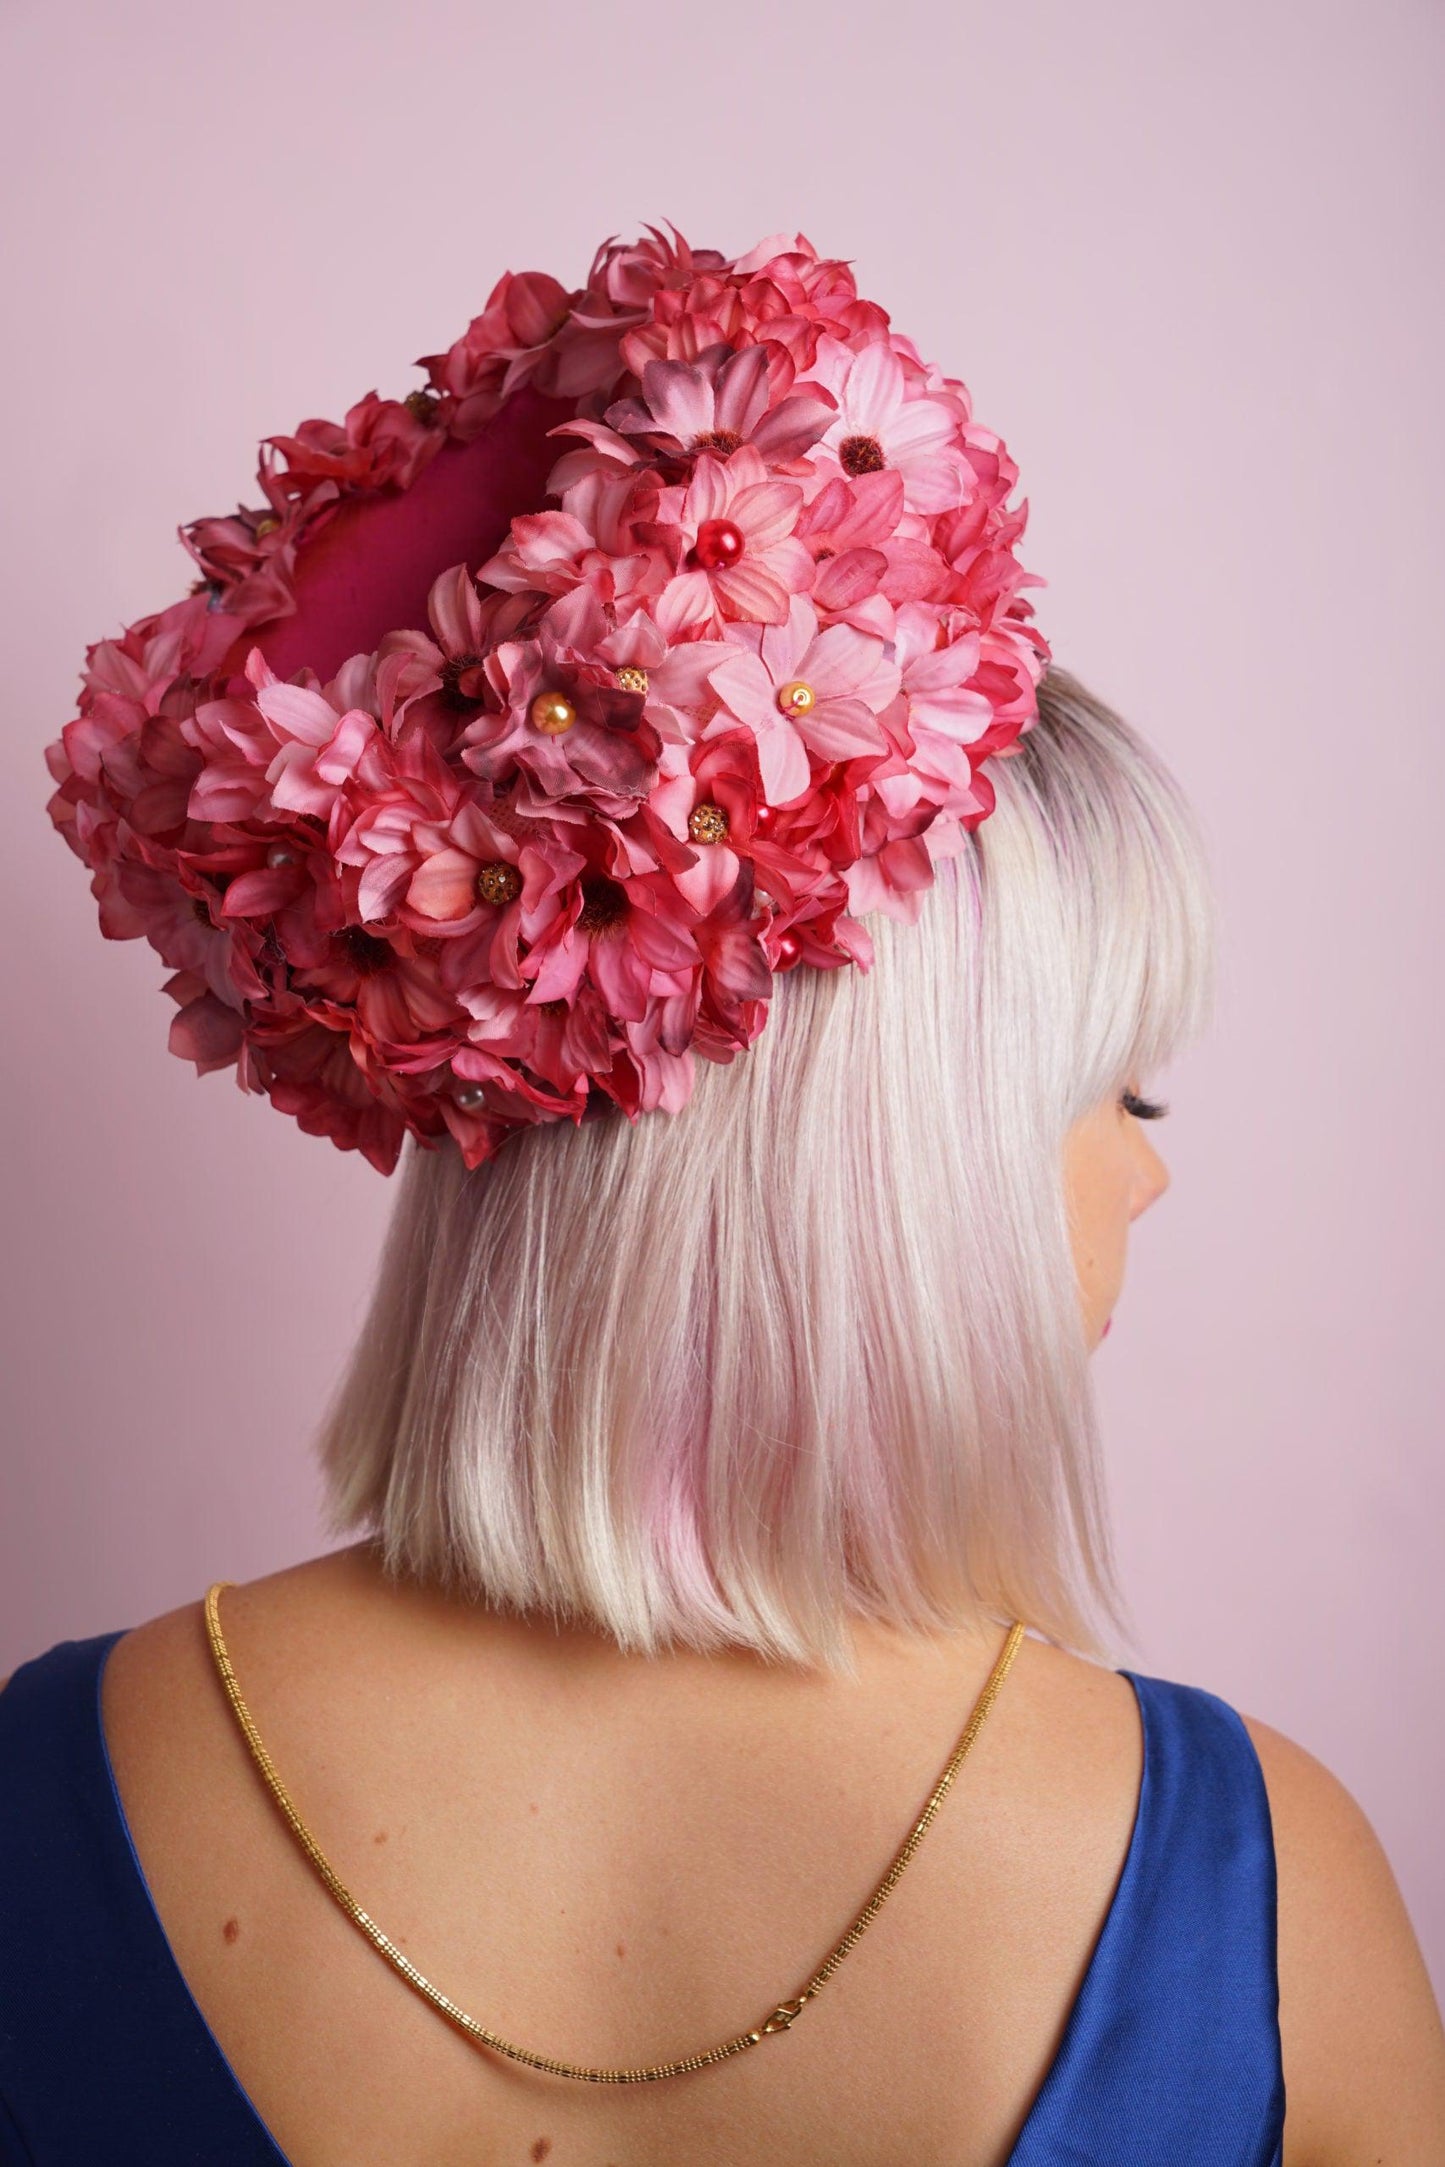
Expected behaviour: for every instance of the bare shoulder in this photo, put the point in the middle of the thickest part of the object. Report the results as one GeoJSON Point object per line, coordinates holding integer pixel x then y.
{"type": "Point", "coordinates": [164, 1716]}
{"type": "Point", "coordinates": [1364, 2054]}
{"type": "Point", "coordinates": [1080, 1699]}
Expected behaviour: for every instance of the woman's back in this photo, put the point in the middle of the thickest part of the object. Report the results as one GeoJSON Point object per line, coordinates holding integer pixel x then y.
{"type": "Point", "coordinates": [616, 1859]}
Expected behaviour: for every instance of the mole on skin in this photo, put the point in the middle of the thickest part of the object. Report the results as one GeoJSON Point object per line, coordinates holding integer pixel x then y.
{"type": "Point", "coordinates": [541, 2148]}
{"type": "Point", "coordinates": [231, 1930]}
{"type": "Point", "coordinates": [380, 1836]}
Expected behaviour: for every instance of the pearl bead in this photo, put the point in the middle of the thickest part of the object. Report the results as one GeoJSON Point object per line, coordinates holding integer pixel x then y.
{"type": "Point", "coordinates": [469, 1096]}
{"type": "Point", "coordinates": [766, 819]}
{"type": "Point", "coordinates": [552, 713]}
{"type": "Point", "coordinates": [789, 950]}
{"type": "Point", "coordinates": [762, 900]}
{"type": "Point", "coordinates": [719, 544]}
{"type": "Point", "coordinates": [263, 527]}
{"type": "Point", "coordinates": [500, 883]}
{"type": "Point", "coordinates": [631, 679]}
{"type": "Point", "coordinates": [795, 698]}
{"type": "Point", "coordinates": [281, 855]}
{"type": "Point", "coordinates": [707, 823]}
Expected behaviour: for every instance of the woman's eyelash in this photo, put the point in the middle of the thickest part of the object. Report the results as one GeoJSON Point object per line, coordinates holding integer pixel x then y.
{"type": "Point", "coordinates": [1143, 1109]}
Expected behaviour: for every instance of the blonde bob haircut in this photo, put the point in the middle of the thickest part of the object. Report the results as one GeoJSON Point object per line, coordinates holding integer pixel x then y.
{"type": "Point", "coordinates": [811, 1348]}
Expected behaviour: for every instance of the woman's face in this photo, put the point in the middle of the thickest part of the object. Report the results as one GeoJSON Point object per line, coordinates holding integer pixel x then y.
{"type": "Point", "coordinates": [1111, 1173]}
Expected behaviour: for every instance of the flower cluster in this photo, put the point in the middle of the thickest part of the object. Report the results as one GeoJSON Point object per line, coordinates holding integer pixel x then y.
{"type": "Point", "coordinates": [725, 687]}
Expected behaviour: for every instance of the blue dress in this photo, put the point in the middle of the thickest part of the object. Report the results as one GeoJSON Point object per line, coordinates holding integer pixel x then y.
{"type": "Point", "coordinates": [1170, 2057]}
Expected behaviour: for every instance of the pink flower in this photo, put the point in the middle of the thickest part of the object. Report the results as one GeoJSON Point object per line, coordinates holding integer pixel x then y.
{"type": "Point", "coordinates": [564, 1045]}
{"type": "Point", "coordinates": [436, 682]}
{"type": "Point", "coordinates": [390, 825]}
{"type": "Point", "coordinates": [248, 560]}
{"type": "Point", "coordinates": [382, 443]}
{"type": "Point", "coordinates": [883, 423]}
{"type": "Point", "coordinates": [725, 399]}
{"type": "Point", "coordinates": [718, 780]}
{"type": "Point", "coordinates": [176, 919]}
{"type": "Point", "coordinates": [803, 691]}
{"type": "Point", "coordinates": [868, 556]}
{"type": "Point", "coordinates": [730, 533]}
{"type": "Point", "coordinates": [595, 540]}
{"type": "Point", "coordinates": [286, 749]}
{"type": "Point", "coordinates": [499, 350]}
{"type": "Point", "coordinates": [628, 937]}
{"type": "Point", "coordinates": [938, 655]}
{"type": "Point", "coordinates": [323, 1076]}
{"type": "Point", "coordinates": [607, 751]}
{"type": "Point", "coordinates": [385, 990]}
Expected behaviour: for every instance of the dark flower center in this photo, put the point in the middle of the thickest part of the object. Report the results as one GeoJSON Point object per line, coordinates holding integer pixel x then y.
{"type": "Point", "coordinates": [452, 672]}
{"type": "Point", "coordinates": [604, 903]}
{"type": "Point", "coordinates": [201, 909]}
{"type": "Point", "coordinates": [861, 455]}
{"type": "Point", "coordinates": [722, 441]}
{"type": "Point", "coordinates": [363, 951]}
{"type": "Point", "coordinates": [421, 405]}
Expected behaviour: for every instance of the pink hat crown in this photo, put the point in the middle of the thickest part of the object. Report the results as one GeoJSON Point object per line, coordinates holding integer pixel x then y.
{"type": "Point", "coordinates": [493, 768]}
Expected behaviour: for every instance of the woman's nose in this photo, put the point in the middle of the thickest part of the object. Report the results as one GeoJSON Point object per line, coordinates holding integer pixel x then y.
{"type": "Point", "coordinates": [1151, 1179]}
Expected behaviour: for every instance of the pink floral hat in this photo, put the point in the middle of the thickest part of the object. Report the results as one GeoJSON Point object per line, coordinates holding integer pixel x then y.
{"type": "Point", "coordinates": [492, 769]}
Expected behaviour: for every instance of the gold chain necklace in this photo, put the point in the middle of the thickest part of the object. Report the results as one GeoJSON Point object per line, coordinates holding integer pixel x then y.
{"type": "Point", "coordinates": [783, 2015]}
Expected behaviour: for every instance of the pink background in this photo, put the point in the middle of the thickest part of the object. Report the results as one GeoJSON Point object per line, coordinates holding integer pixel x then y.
{"type": "Point", "coordinates": [1181, 258]}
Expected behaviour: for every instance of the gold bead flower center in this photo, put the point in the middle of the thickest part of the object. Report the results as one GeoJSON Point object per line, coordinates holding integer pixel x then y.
{"type": "Point", "coordinates": [500, 883]}
{"type": "Point", "coordinates": [552, 713]}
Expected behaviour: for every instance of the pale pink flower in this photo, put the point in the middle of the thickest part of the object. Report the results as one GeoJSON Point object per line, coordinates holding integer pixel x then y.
{"type": "Point", "coordinates": [848, 679]}
{"type": "Point", "coordinates": [881, 424]}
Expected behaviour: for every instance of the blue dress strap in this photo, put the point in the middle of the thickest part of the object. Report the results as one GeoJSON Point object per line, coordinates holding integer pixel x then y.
{"type": "Point", "coordinates": [103, 2052]}
{"type": "Point", "coordinates": [1171, 2053]}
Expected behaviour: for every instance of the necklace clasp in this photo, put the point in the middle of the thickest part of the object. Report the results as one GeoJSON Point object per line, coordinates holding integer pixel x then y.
{"type": "Point", "coordinates": [785, 2015]}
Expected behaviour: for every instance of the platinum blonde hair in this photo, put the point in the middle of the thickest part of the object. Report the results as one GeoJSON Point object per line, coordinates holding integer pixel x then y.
{"type": "Point", "coordinates": [812, 1347]}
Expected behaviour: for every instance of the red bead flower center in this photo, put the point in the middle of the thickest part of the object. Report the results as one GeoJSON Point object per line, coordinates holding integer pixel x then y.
{"type": "Point", "coordinates": [719, 544]}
